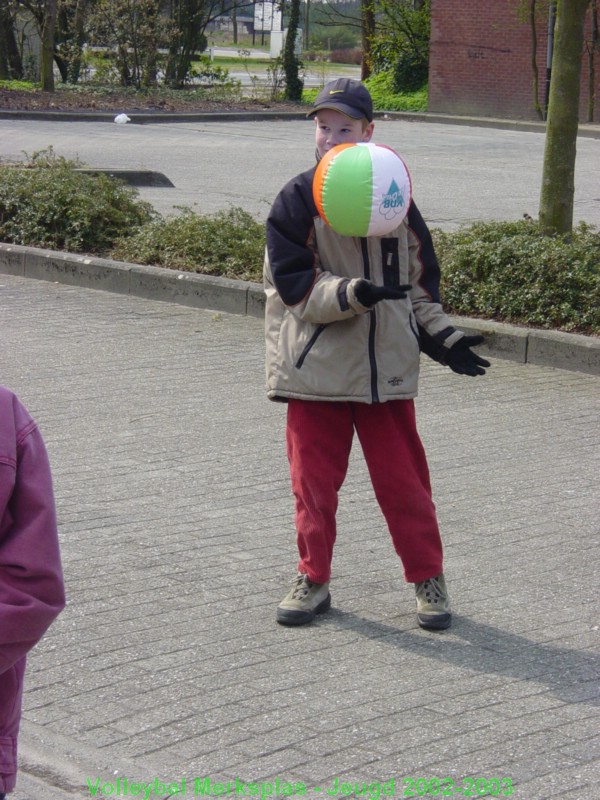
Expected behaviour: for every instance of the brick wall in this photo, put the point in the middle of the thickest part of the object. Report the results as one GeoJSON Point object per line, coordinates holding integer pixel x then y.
{"type": "Point", "coordinates": [481, 59]}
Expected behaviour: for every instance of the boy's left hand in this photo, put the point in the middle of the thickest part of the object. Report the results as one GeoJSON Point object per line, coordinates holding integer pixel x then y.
{"type": "Point", "coordinates": [461, 359]}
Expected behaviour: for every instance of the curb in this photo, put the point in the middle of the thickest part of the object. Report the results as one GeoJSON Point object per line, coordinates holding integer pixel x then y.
{"type": "Point", "coordinates": [150, 117]}
{"type": "Point", "coordinates": [568, 351]}
{"type": "Point", "coordinates": [58, 767]}
{"type": "Point", "coordinates": [586, 130]}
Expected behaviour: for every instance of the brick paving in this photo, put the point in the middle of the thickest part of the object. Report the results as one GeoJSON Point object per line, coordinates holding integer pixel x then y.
{"type": "Point", "coordinates": [177, 537]}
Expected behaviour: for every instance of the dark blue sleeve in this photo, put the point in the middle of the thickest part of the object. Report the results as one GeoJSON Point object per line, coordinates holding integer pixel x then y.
{"type": "Point", "coordinates": [433, 346]}
{"type": "Point", "coordinates": [430, 277]}
{"type": "Point", "coordinates": [290, 239]}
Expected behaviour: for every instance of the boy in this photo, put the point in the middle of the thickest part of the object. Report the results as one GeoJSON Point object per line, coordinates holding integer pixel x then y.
{"type": "Point", "coordinates": [345, 321]}
{"type": "Point", "coordinates": [31, 583]}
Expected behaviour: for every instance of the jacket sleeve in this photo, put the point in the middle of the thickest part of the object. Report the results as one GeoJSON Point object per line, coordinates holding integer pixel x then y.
{"type": "Point", "coordinates": [436, 332]}
{"type": "Point", "coordinates": [31, 581]}
{"type": "Point", "coordinates": [292, 265]}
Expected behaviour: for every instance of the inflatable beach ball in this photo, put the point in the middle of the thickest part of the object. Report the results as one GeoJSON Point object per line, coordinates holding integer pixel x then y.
{"type": "Point", "coordinates": [362, 189]}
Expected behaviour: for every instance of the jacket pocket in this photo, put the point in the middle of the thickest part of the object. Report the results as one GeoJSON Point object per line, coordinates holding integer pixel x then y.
{"type": "Point", "coordinates": [309, 345]}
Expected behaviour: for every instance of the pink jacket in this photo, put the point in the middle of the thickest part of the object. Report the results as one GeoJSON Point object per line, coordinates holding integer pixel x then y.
{"type": "Point", "coordinates": [31, 582]}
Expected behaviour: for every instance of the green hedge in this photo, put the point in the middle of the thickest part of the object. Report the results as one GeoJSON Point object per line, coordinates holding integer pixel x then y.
{"type": "Point", "coordinates": [509, 271]}
{"type": "Point", "coordinates": [231, 244]}
{"type": "Point", "coordinates": [506, 271]}
{"type": "Point", "coordinates": [47, 203]}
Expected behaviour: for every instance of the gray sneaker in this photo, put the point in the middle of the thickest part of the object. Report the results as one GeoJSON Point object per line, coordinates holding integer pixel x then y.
{"type": "Point", "coordinates": [433, 603]}
{"type": "Point", "coordinates": [303, 602]}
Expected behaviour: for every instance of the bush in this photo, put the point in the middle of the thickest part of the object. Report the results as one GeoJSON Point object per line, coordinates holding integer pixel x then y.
{"type": "Point", "coordinates": [385, 97]}
{"type": "Point", "coordinates": [47, 203]}
{"type": "Point", "coordinates": [411, 72]}
{"type": "Point", "coordinates": [347, 56]}
{"type": "Point", "coordinates": [507, 271]}
{"type": "Point", "coordinates": [230, 243]}
{"type": "Point", "coordinates": [513, 273]}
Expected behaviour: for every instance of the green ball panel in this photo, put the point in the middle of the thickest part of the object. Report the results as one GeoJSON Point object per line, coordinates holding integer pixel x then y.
{"type": "Point", "coordinates": [347, 193]}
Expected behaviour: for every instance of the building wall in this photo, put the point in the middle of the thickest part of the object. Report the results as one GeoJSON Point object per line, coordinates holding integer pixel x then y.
{"type": "Point", "coordinates": [481, 59]}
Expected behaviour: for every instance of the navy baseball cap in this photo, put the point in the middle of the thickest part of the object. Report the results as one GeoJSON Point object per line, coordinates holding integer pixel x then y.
{"type": "Point", "coordinates": [345, 95]}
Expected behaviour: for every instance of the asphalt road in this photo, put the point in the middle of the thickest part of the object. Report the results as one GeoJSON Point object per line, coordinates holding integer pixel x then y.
{"type": "Point", "coordinates": [460, 173]}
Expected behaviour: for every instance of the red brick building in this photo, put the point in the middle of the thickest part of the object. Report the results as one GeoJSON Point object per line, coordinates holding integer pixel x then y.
{"type": "Point", "coordinates": [481, 59]}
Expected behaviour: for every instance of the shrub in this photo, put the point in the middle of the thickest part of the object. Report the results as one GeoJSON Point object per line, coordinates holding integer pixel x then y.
{"type": "Point", "coordinates": [385, 97]}
{"type": "Point", "coordinates": [507, 271]}
{"type": "Point", "coordinates": [511, 272]}
{"type": "Point", "coordinates": [230, 243]}
{"type": "Point", "coordinates": [47, 203]}
{"type": "Point", "coordinates": [347, 56]}
{"type": "Point", "coordinates": [411, 72]}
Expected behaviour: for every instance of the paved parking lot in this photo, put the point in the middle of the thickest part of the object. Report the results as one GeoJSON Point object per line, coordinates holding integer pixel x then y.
{"type": "Point", "coordinates": [460, 173]}
{"type": "Point", "coordinates": [167, 669]}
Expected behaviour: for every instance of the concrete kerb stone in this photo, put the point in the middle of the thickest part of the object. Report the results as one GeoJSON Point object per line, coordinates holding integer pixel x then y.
{"type": "Point", "coordinates": [134, 177]}
{"type": "Point", "coordinates": [501, 340]}
{"type": "Point", "coordinates": [525, 345]}
{"type": "Point", "coordinates": [558, 349]}
{"type": "Point", "coordinates": [155, 283]}
{"type": "Point", "coordinates": [564, 351]}
{"type": "Point", "coordinates": [585, 130]}
{"type": "Point", "coordinates": [58, 767]}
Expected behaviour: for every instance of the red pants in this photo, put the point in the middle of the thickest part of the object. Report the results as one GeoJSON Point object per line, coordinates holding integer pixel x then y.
{"type": "Point", "coordinates": [319, 439]}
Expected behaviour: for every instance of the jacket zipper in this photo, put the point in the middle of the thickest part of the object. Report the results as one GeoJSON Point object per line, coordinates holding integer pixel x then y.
{"type": "Point", "coordinates": [309, 345]}
{"type": "Point", "coordinates": [372, 325]}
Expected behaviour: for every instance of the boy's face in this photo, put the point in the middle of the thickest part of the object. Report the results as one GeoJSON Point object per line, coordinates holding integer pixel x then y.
{"type": "Point", "coordinates": [335, 128]}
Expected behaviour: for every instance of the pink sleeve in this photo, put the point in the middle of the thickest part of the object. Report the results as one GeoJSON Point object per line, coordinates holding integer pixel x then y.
{"type": "Point", "coordinates": [31, 582]}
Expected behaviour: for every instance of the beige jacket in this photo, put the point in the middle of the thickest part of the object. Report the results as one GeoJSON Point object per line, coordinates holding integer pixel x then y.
{"type": "Point", "coordinates": [322, 344]}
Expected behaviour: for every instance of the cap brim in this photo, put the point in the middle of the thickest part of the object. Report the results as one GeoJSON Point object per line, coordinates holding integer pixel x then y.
{"type": "Point", "coordinates": [347, 111]}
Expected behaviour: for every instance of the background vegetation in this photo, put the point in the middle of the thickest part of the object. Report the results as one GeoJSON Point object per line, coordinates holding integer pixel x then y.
{"type": "Point", "coordinates": [507, 271]}
{"type": "Point", "coordinates": [150, 43]}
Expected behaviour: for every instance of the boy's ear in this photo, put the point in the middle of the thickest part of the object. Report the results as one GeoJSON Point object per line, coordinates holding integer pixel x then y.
{"type": "Point", "coordinates": [368, 132]}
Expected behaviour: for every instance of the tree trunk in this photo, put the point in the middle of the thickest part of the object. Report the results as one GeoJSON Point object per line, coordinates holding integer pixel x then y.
{"type": "Point", "coordinates": [367, 14]}
{"type": "Point", "coordinates": [11, 66]}
{"type": "Point", "coordinates": [291, 65]}
{"type": "Point", "coordinates": [592, 50]}
{"type": "Point", "coordinates": [558, 184]}
{"type": "Point", "coordinates": [532, 23]}
{"type": "Point", "coordinates": [47, 58]}
{"type": "Point", "coordinates": [79, 36]}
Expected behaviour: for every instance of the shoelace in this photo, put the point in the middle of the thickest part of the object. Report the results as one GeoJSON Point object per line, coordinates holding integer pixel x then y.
{"type": "Point", "coordinates": [302, 586]}
{"type": "Point", "coordinates": [431, 587]}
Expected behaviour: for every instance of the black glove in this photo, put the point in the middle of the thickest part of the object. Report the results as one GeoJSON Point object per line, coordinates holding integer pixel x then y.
{"type": "Point", "coordinates": [462, 360]}
{"type": "Point", "coordinates": [368, 293]}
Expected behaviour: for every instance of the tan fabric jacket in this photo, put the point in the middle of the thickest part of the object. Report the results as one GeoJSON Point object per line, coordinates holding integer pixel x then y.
{"type": "Point", "coordinates": [322, 344]}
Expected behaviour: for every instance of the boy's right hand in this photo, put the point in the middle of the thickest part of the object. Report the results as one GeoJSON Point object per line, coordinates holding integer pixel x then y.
{"type": "Point", "coordinates": [368, 293]}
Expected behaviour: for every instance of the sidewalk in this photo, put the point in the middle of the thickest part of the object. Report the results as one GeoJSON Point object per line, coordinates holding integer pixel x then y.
{"type": "Point", "coordinates": [177, 537]}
